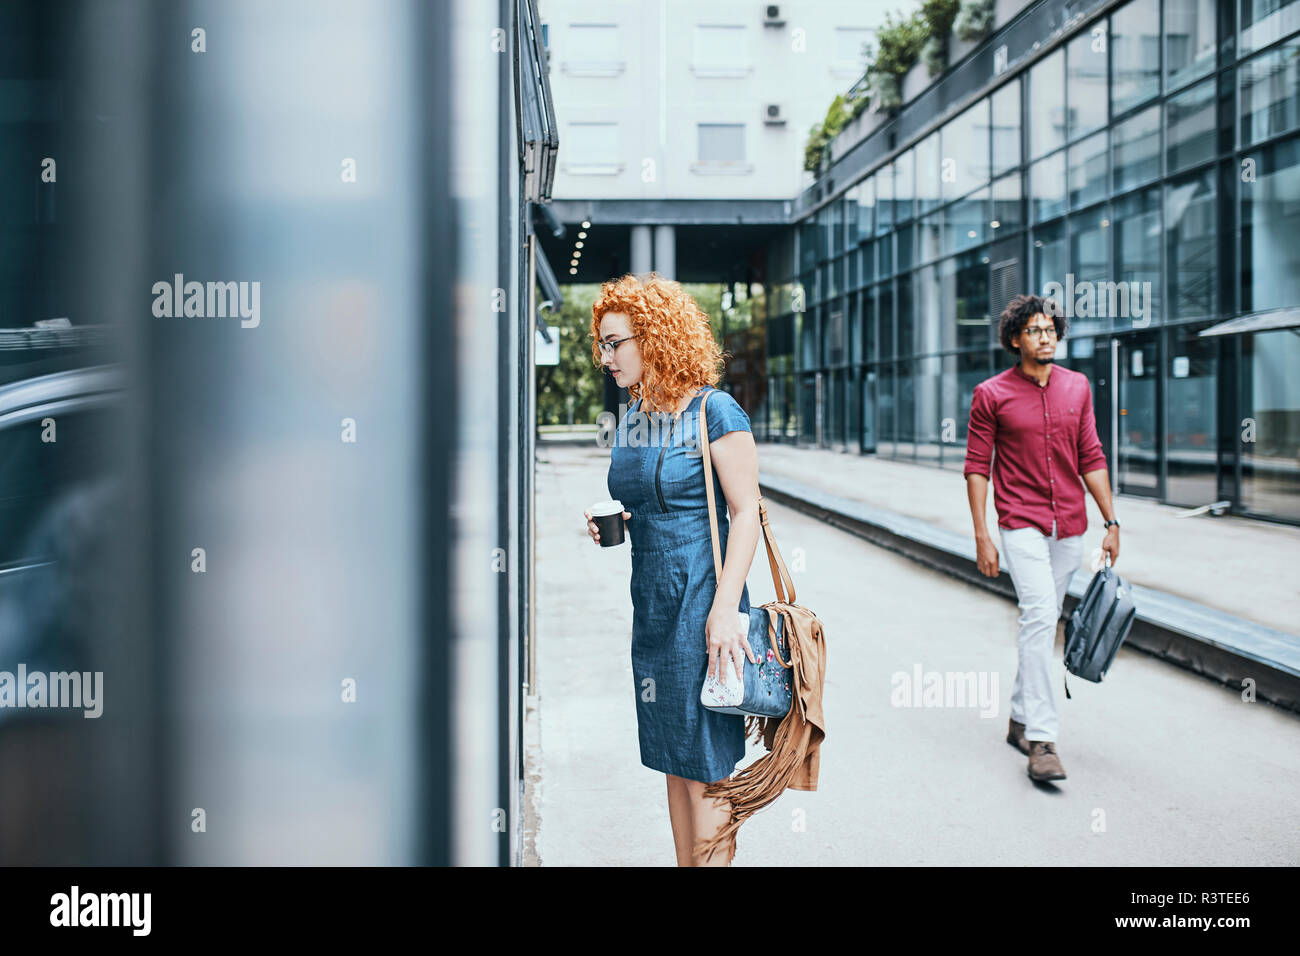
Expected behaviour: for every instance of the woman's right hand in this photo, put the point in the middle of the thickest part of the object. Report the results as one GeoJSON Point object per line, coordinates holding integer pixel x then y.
{"type": "Point", "coordinates": [593, 530]}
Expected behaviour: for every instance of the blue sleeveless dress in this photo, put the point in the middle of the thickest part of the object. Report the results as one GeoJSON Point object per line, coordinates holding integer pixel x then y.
{"type": "Point", "coordinates": [657, 472]}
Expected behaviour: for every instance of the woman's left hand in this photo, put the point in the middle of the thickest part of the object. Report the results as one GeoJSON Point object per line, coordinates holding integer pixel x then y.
{"type": "Point", "coordinates": [727, 635]}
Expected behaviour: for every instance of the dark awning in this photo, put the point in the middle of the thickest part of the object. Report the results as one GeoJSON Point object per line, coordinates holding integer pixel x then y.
{"type": "Point", "coordinates": [1256, 322]}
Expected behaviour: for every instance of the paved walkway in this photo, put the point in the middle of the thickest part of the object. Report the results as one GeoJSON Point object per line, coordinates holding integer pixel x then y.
{"type": "Point", "coordinates": [1165, 768]}
{"type": "Point", "coordinates": [1238, 565]}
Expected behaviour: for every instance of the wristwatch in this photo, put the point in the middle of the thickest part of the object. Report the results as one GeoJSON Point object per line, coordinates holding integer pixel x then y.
{"type": "Point", "coordinates": [1112, 521]}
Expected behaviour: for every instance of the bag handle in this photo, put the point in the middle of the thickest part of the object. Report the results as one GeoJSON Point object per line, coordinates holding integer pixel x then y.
{"type": "Point", "coordinates": [779, 572]}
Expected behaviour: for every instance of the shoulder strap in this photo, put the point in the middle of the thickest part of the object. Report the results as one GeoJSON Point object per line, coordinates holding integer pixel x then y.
{"type": "Point", "coordinates": [779, 573]}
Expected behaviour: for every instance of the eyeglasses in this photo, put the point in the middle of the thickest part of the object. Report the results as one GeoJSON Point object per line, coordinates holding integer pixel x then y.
{"type": "Point", "coordinates": [607, 348]}
{"type": "Point", "coordinates": [1035, 331]}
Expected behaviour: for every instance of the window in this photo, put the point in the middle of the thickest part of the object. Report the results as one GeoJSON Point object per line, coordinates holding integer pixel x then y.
{"type": "Point", "coordinates": [1047, 187]}
{"type": "Point", "coordinates": [1137, 254]}
{"type": "Point", "coordinates": [885, 199]}
{"type": "Point", "coordinates": [1049, 257]}
{"type": "Point", "coordinates": [904, 186]}
{"type": "Point", "coordinates": [1270, 93]}
{"type": "Point", "coordinates": [1005, 106]}
{"type": "Point", "coordinates": [966, 301]}
{"type": "Point", "coordinates": [866, 207]}
{"type": "Point", "coordinates": [1270, 222]}
{"type": "Point", "coordinates": [1089, 163]}
{"type": "Point", "coordinates": [593, 49]}
{"type": "Point", "coordinates": [1270, 397]}
{"type": "Point", "coordinates": [1191, 127]}
{"type": "Point", "coordinates": [966, 222]}
{"type": "Point", "coordinates": [722, 142]}
{"type": "Point", "coordinates": [1006, 205]}
{"type": "Point", "coordinates": [594, 148]}
{"type": "Point", "coordinates": [1047, 104]}
{"type": "Point", "coordinates": [1189, 40]}
{"type": "Point", "coordinates": [1135, 55]}
{"type": "Point", "coordinates": [1090, 262]}
{"type": "Point", "coordinates": [1135, 149]}
{"type": "Point", "coordinates": [1263, 21]}
{"type": "Point", "coordinates": [965, 147]}
{"type": "Point", "coordinates": [1190, 233]}
{"type": "Point", "coordinates": [720, 50]}
{"type": "Point", "coordinates": [1086, 81]}
{"type": "Point", "coordinates": [927, 174]}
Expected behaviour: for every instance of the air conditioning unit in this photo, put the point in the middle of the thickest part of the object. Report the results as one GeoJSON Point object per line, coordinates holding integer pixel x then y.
{"type": "Point", "coordinates": [773, 115]}
{"type": "Point", "coordinates": [772, 15]}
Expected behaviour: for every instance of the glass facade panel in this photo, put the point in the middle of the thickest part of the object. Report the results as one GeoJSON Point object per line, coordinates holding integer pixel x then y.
{"type": "Point", "coordinates": [1005, 107]}
{"type": "Point", "coordinates": [1190, 40]}
{"type": "Point", "coordinates": [965, 144]}
{"type": "Point", "coordinates": [1047, 104]}
{"type": "Point", "coordinates": [1261, 22]}
{"type": "Point", "coordinates": [1090, 263]}
{"type": "Point", "coordinates": [966, 223]}
{"type": "Point", "coordinates": [1089, 163]}
{"type": "Point", "coordinates": [1191, 127]}
{"type": "Point", "coordinates": [1191, 240]}
{"type": "Point", "coordinates": [1270, 223]}
{"type": "Point", "coordinates": [929, 237]}
{"type": "Point", "coordinates": [1137, 257]}
{"type": "Point", "coordinates": [905, 324]}
{"type": "Point", "coordinates": [928, 309]}
{"type": "Point", "coordinates": [1086, 81]}
{"type": "Point", "coordinates": [1135, 150]}
{"type": "Point", "coordinates": [1049, 256]}
{"type": "Point", "coordinates": [929, 420]}
{"type": "Point", "coordinates": [1007, 214]}
{"type": "Point", "coordinates": [905, 186]}
{"type": "Point", "coordinates": [1270, 406]}
{"type": "Point", "coordinates": [927, 174]}
{"type": "Point", "coordinates": [1270, 93]}
{"type": "Point", "coordinates": [1191, 414]}
{"type": "Point", "coordinates": [966, 308]}
{"type": "Point", "coordinates": [1047, 187]}
{"type": "Point", "coordinates": [1135, 54]}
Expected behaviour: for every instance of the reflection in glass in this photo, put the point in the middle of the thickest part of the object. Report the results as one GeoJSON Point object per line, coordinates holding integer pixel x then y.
{"type": "Point", "coordinates": [1086, 81]}
{"type": "Point", "coordinates": [1270, 400]}
{"type": "Point", "coordinates": [1089, 164]}
{"type": "Point", "coordinates": [1047, 187]}
{"type": "Point", "coordinates": [1135, 149]}
{"type": "Point", "coordinates": [1270, 93]}
{"type": "Point", "coordinates": [1191, 126]}
{"type": "Point", "coordinates": [1005, 106]}
{"type": "Point", "coordinates": [1189, 40]}
{"type": "Point", "coordinates": [1135, 54]}
{"type": "Point", "coordinates": [1270, 223]}
{"type": "Point", "coordinates": [1190, 237]}
{"type": "Point", "coordinates": [1047, 104]}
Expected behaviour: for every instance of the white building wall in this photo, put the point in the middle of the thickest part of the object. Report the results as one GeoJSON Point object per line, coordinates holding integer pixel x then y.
{"type": "Point", "coordinates": [653, 71]}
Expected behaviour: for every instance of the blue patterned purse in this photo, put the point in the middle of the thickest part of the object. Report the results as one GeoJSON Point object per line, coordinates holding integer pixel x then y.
{"type": "Point", "coordinates": [765, 689]}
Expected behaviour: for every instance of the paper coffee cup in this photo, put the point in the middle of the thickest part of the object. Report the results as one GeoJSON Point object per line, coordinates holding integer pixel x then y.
{"type": "Point", "coordinates": [608, 516]}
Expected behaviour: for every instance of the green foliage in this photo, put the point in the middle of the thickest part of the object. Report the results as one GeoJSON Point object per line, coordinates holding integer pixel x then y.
{"type": "Point", "coordinates": [900, 43]}
{"type": "Point", "coordinates": [975, 20]}
{"type": "Point", "coordinates": [820, 135]}
{"type": "Point", "coordinates": [576, 375]}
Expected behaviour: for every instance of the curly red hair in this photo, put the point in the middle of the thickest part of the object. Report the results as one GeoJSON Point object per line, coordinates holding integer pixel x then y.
{"type": "Point", "coordinates": [678, 351]}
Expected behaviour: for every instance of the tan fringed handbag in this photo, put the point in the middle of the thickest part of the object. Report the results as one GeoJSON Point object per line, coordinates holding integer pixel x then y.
{"type": "Point", "coordinates": [794, 652]}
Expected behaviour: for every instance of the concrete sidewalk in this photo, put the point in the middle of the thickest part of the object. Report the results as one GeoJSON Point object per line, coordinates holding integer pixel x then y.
{"type": "Point", "coordinates": [1164, 767]}
{"type": "Point", "coordinates": [1247, 568]}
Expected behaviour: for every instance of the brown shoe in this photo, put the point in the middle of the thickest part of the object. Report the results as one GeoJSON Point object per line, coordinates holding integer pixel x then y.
{"type": "Point", "coordinates": [1044, 764]}
{"type": "Point", "coordinates": [1016, 736]}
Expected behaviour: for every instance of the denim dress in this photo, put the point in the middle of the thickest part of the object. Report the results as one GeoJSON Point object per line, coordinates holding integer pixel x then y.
{"type": "Point", "coordinates": [657, 472]}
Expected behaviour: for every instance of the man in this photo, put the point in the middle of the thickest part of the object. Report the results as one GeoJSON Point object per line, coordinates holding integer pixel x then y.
{"type": "Point", "coordinates": [1040, 420]}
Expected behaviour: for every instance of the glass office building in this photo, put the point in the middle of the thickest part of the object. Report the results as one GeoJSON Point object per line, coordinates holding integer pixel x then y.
{"type": "Point", "coordinates": [1147, 153]}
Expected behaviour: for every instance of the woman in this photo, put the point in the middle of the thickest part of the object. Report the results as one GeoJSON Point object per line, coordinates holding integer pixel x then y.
{"type": "Point", "coordinates": [655, 341]}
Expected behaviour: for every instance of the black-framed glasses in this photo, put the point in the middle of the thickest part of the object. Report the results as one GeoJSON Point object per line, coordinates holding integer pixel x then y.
{"type": "Point", "coordinates": [1036, 331]}
{"type": "Point", "coordinates": [607, 348]}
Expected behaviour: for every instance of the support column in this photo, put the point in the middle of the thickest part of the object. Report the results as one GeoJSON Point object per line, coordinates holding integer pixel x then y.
{"type": "Point", "coordinates": [641, 257]}
{"type": "Point", "coordinates": [666, 251]}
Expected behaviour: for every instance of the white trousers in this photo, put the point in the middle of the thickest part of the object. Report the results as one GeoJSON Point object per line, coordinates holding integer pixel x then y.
{"type": "Point", "coordinates": [1040, 568]}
